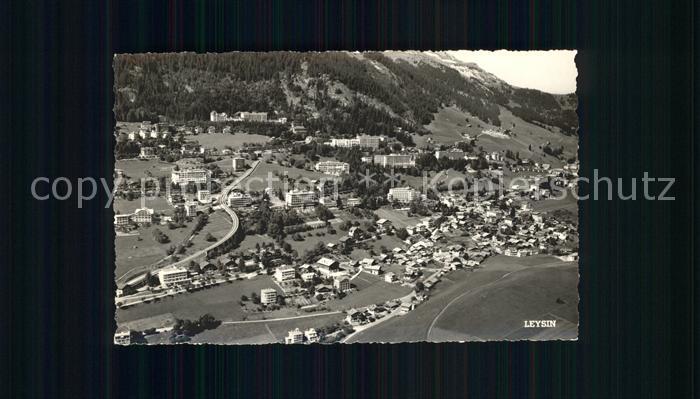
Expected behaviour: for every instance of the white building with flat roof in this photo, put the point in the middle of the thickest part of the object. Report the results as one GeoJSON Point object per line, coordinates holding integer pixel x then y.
{"type": "Point", "coordinates": [298, 198]}
{"type": "Point", "coordinates": [333, 167]}
{"type": "Point", "coordinates": [395, 160]}
{"type": "Point", "coordinates": [254, 116]}
{"type": "Point", "coordinates": [268, 296]}
{"type": "Point", "coordinates": [198, 176]}
{"type": "Point", "coordinates": [204, 196]}
{"type": "Point", "coordinates": [285, 273]}
{"type": "Point", "coordinates": [191, 208]}
{"type": "Point", "coordinates": [122, 336]}
{"type": "Point", "coordinates": [403, 194]}
{"type": "Point", "coordinates": [173, 276]}
{"type": "Point", "coordinates": [294, 337]}
{"type": "Point", "coordinates": [238, 164]}
{"type": "Point", "coordinates": [239, 200]}
{"type": "Point", "coordinates": [122, 220]}
{"type": "Point", "coordinates": [453, 155]}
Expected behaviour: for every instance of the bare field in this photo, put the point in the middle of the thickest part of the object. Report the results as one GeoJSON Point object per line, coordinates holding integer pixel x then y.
{"type": "Point", "coordinates": [221, 302]}
{"type": "Point", "coordinates": [268, 332]}
{"type": "Point", "coordinates": [464, 294]}
{"type": "Point", "coordinates": [137, 168]}
{"type": "Point", "coordinates": [397, 218]}
{"type": "Point", "coordinates": [450, 123]}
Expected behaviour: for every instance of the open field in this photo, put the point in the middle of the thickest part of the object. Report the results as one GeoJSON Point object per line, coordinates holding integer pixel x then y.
{"type": "Point", "coordinates": [148, 251]}
{"type": "Point", "coordinates": [446, 127]}
{"type": "Point", "coordinates": [397, 218]}
{"type": "Point", "coordinates": [310, 242]}
{"type": "Point", "coordinates": [504, 287]}
{"type": "Point", "coordinates": [548, 205]}
{"type": "Point", "coordinates": [234, 141]}
{"type": "Point", "coordinates": [450, 123]}
{"type": "Point", "coordinates": [372, 289]}
{"type": "Point", "coordinates": [264, 333]}
{"type": "Point", "coordinates": [156, 203]}
{"type": "Point", "coordinates": [220, 301]}
{"type": "Point", "coordinates": [131, 253]}
{"type": "Point", "coordinates": [136, 168]}
{"type": "Point", "coordinates": [218, 225]}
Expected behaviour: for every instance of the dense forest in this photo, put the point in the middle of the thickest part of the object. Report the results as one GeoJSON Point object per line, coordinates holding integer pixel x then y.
{"type": "Point", "coordinates": [384, 93]}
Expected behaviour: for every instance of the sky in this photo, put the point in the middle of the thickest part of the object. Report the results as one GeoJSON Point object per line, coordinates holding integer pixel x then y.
{"type": "Point", "coordinates": [548, 71]}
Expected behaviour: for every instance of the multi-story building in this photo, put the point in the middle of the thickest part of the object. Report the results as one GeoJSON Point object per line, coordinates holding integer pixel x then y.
{"type": "Point", "coordinates": [333, 167]}
{"type": "Point", "coordinates": [198, 176]}
{"type": "Point", "coordinates": [297, 129]}
{"type": "Point", "coordinates": [369, 141]}
{"type": "Point", "coordinates": [238, 164]}
{"type": "Point", "coordinates": [122, 220]}
{"type": "Point", "coordinates": [254, 116]}
{"type": "Point", "coordinates": [311, 335]}
{"type": "Point", "coordinates": [204, 196]}
{"type": "Point", "coordinates": [122, 336]}
{"type": "Point", "coordinates": [298, 198]}
{"type": "Point", "coordinates": [143, 215]}
{"type": "Point", "coordinates": [353, 201]}
{"type": "Point", "coordinates": [284, 274]}
{"type": "Point", "coordinates": [239, 200]}
{"type": "Point", "coordinates": [359, 141]}
{"type": "Point", "coordinates": [218, 117]}
{"type": "Point", "coordinates": [294, 337]}
{"type": "Point", "coordinates": [453, 155]}
{"type": "Point", "coordinates": [342, 284]}
{"type": "Point", "coordinates": [268, 296]}
{"type": "Point", "coordinates": [191, 208]}
{"type": "Point", "coordinates": [395, 160]}
{"type": "Point", "coordinates": [403, 194]}
{"type": "Point", "coordinates": [173, 276]}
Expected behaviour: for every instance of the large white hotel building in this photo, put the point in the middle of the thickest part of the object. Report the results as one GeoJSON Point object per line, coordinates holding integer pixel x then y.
{"type": "Point", "coordinates": [199, 176]}
{"type": "Point", "coordinates": [298, 198]}
{"type": "Point", "coordinates": [333, 167]}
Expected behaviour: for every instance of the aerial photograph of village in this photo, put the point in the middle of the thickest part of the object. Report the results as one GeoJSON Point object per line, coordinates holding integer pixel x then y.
{"type": "Point", "coordinates": [342, 197]}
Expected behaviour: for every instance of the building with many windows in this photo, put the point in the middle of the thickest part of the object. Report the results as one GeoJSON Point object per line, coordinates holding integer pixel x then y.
{"type": "Point", "coordinates": [395, 160]}
{"type": "Point", "coordinates": [285, 274]}
{"type": "Point", "coordinates": [254, 116]}
{"type": "Point", "coordinates": [173, 276]}
{"type": "Point", "coordinates": [238, 164]}
{"type": "Point", "coordinates": [364, 141]}
{"type": "Point", "coordinates": [122, 336]}
{"type": "Point", "coordinates": [268, 296]}
{"type": "Point", "coordinates": [311, 335]}
{"type": "Point", "coordinates": [403, 194]}
{"type": "Point", "coordinates": [298, 198]}
{"type": "Point", "coordinates": [143, 215]}
{"type": "Point", "coordinates": [122, 220]}
{"type": "Point", "coordinates": [341, 284]}
{"type": "Point", "coordinates": [294, 337]}
{"type": "Point", "coordinates": [218, 117]}
{"type": "Point", "coordinates": [204, 196]}
{"type": "Point", "coordinates": [239, 200]}
{"type": "Point", "coordinates": [198, 176]}
{"type": "Point", "coordinates": [453, 155]}
{"type": "Point", "coordinates": [191, 208]}
{"type": "Point", "coordinates": [333, 167]}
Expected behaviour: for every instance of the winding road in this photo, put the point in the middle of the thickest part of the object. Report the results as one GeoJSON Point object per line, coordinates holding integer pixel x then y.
{"type": "Point", "coordinates": [185, 261]}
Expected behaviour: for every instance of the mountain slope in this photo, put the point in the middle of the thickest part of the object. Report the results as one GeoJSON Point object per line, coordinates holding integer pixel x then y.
{"type": "Point", "coordinates": [335, 92]}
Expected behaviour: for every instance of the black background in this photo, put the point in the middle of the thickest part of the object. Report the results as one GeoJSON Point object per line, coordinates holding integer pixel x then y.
{"type": "Point", "coordinates": [636, 88]}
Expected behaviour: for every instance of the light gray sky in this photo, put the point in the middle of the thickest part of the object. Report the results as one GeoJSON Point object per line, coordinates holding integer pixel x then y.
{"type": "Point", "coordinates": [548, 71]}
